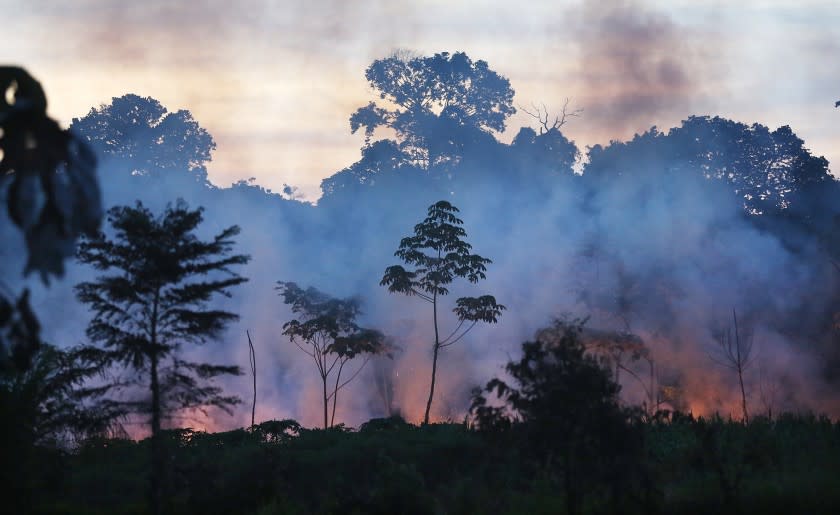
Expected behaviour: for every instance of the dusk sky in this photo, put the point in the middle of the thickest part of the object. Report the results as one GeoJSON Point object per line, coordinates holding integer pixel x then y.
{"type": "Point", "coordinates": [276, 82]}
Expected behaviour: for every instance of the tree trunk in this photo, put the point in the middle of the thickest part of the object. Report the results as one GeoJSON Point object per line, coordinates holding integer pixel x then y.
{"type": "Point", "coordinates": [253, 356]}
{"type": "Point", "coordinates": [434, 360]}
{"type": "Point", "coordinates": [335, 392]}
{"type": "Point", "coordinates": [326, 402]}
{"type": "Point", "coordinates": [157, 458]}
{"type": "Point", "coordinates": [157, 471]}
{"type": "Point", "coordinates": [740, 368]}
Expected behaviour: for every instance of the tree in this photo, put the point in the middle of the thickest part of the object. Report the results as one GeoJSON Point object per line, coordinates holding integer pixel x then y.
{"type": "Point", "coordinates": [152, 299]}
{"type": "Point", "coordinates": [735, 354]}
{"type": "Point", "coordinates": [563, 405]}
{"type": "Point", "coordinates": [46, 406]}
{"type": "Point", "coordinates": [144, 139]}
{"type": "Point", "coordinates": [327, 332]}
{"type": "Point", "coordinates": [434, 96]}
{"type": "Point", "coordinates": [764, 169]}
{"type": "Point", "coordinates": [440, 255]}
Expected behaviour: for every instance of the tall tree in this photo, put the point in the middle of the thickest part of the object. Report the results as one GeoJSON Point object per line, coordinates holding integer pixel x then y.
{"type": "Point", "coordinates": [764, 169]}
{"type": "Point", "coordinates": [142, 138]}
{"type": "Point", "coordinates": [158, 279]}
{"type": "Point", "coordinates": [326, 330]}
{"type": "Point", "coordinates": [439, 255]}
{"type": "Point", "coordinates": [434, 97]}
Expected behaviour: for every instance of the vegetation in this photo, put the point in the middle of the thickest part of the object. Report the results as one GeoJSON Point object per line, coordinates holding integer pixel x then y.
{"type": "Point", "coordinates": [327, 332]}
{"type": "Point", "coordinates": [709, 212]}
{"type": "Point", "coordinates": [440, 255]}
{"type": "Point", "coordinates": [152, 299]}
{"type": "Point", "coordinates": [686, 465]}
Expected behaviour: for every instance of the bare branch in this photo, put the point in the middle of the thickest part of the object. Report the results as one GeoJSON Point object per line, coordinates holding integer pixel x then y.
{"type": "Point", "coordinates": [540, 113]}
{"type": "Point", "coordinates": [460, 336]}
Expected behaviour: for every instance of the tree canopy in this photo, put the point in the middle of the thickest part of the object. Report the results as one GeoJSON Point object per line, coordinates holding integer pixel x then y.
{"type": "Point", "coordinates": [440, 255]}
{"type": "Point", "coordinates": [432, 102]}
{"type": "Point", "coordinates": [147, 140]}
{"type": "Point", "coordinates": [158, 278]}
{"type": "Point", "coordinates": [326, 331]}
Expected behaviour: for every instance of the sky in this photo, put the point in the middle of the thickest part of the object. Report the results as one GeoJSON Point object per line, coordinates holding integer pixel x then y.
{"type": "Point", "coordinates": [275, 82]}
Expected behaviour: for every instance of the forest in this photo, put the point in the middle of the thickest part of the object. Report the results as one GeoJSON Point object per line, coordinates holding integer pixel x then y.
{"type": "Point", "coordinates": [459, 324]}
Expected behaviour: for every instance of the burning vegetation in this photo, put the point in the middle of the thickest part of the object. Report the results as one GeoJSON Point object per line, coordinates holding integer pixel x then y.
{"type": "Point", "coordinates": [677, 301]}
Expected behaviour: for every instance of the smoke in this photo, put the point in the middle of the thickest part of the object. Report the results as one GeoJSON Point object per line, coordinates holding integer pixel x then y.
{"type": "Point", "coordinates": [664, 256]}
{"type": "Point", "coordinates": [636, 66]}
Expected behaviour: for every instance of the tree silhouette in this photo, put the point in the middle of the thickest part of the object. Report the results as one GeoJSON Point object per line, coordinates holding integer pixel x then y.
{"type": "Point", "coordinates": [440, 255]}
{"type": "Point", "coordinates": [46, 406]}
{"type": "Point", "coordinates": [53, 195]}
{"type": "Point", "coordinates": [328, 333]}
{"type": "Point", "coordinates": [736, 346]}
{"type": "Point", "coordinates": [765, 169]}
{"type": "Point", "coordinates": [48, 176]}
{"type": "Point", "coordinates": [434, 98]}
{"type": "Point", "coordinates": [564, 404]}
{"type": "Point", "coordinates": [158, 278]}
{"type": "Point", "coordinates": [142, 138]}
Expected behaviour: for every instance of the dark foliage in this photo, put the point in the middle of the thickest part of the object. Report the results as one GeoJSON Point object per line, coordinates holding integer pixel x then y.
{"type": "Point", "coordinates": [439, 255]}
{"type": "Point", "coordinates": [328, 333]}
{"type": "Point", "coordinates": [49, 175]}
{"type": "Point", "coordinates": [48, 183]}
{"type": "Point", "coordinates": [784, 466]}
{"type": "Point", "coordinates": [564, 411]}
{"type": "Point", "coordinates": [158, 279]}
{"type": "Point", "coordinates": [437, 97]}
{"type": "Point", "coordinates": [143, 139]}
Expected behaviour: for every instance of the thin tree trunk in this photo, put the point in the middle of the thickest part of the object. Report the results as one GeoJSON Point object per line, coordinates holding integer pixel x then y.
{"type": "Point", "coordinates": [654, 397]}
{"type": "Point", "coordinates": [157, 456]}
{"type": "Point", "coordinates": [326, 401]}
{"type": "Point", "coordinates": [157, 462]}
{"type": "Point", "coordinates": [253, 358]}
{"type": "Point", "coordinates": [434, 359]}
{"type": "Point", "coordinates": [740, 369]}
{"type": "Point", "coordinates": [335, 392]}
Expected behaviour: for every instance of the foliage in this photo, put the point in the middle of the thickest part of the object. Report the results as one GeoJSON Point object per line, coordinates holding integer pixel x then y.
{"type": "Point", "coordinates": [435, 97]}
{"type": "Point", "coordinates": [327, 332]}
{"type": "Point", "coordinates": [155, 299]}
{"type": "Point", "coordinates": [440, 254]}
{"type": "Point", "coordinates": [158, 278]}
{"type": "Point", "coordinates": [564, 404]}
{"type": "Point", "coordinates": [19, 331]}
{"type": "Point", "coordinates": [46, 408]}
{"type": "Point", "coordinates": [766, 170]}
{"type": "Point", "coordinates": [144, 139]}
{"type": "Point", "coordinates": [49, 400]}
{"type": "Point", "coordinates": [789, 463]}
{"type": "Point", "coordinates": [53, 195]}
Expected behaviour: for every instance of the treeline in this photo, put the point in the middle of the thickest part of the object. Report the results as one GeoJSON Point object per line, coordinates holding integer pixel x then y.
{"type": "Point", "coordinates": [648, 239]}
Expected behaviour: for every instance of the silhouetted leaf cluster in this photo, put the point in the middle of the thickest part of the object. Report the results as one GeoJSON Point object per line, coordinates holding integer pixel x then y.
{"type": "Point", "coordinates": [52, 193]}
{"type": "Point", "coordinates": [327, 331]}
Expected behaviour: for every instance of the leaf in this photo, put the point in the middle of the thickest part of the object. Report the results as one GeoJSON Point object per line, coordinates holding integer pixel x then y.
{"type": "Point", "coordinates": [480, 309]}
